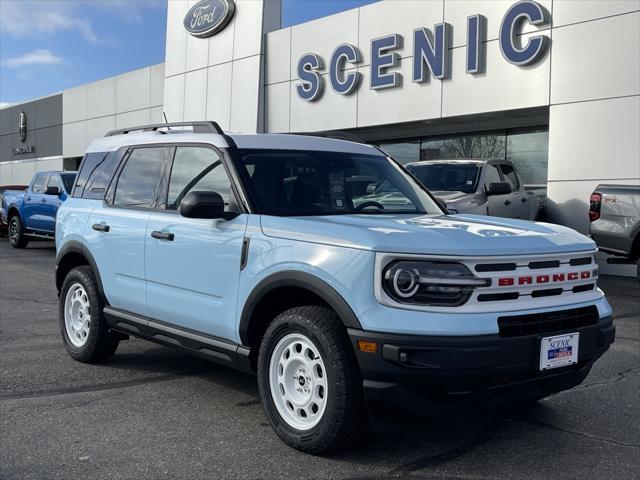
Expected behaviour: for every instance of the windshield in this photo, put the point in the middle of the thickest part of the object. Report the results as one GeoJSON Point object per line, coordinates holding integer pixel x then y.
{"type": "Point", "coordinates": [458, 177]}
{"type": "Point", "coordinates": [68, 179]}
{"type": "Point", "coordinates": [295, 183]}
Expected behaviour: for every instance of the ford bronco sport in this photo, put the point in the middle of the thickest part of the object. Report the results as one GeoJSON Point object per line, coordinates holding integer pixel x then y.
{"type": "Point", "coordinates": [255, 251]}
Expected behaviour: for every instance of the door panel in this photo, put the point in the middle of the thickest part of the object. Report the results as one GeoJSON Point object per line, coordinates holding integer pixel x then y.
{"type": "Point", "coordinates": [519, 207]}
{"type": "Point", "coordinates": [193, 265]}
{"type": "Point", "coordinates": [192, 281]}
{"type": "Point", "coordinates": [32, 207]}
{"type": "Point", "coordinates": [117, 232]}
{"type": "Point", "coordinates": [50, 204]}
{"type": "Point", "coordinates": [497, 205]}
{"type": "Point", "coordinates": [119, 253]}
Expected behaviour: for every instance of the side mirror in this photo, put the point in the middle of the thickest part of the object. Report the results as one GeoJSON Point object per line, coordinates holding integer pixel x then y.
{"type": "Point", "coordinates": [52, 190]}
{"type": "Point", "coordinates": [204, 205]}
{"type": "Point", "coordinates": [499, 188]}
{"type": "Point", "coordinates": [371, 188]}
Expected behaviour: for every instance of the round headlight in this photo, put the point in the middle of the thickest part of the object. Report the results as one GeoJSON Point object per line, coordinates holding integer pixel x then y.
{"type": "Point", "coordinates": [406, 282]}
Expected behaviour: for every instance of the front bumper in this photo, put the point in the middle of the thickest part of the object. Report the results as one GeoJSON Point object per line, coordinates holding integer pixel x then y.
{"type": "Point", "coordinates": [433, 373]}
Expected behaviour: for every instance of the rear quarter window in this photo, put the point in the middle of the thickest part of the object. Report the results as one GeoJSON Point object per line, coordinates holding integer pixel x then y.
{"type": "Point", "coordinates": [95, 174]}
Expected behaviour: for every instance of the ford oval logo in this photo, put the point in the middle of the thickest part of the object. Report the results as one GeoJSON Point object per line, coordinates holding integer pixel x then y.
{"type": "Point", "coordinates": [208, 17]}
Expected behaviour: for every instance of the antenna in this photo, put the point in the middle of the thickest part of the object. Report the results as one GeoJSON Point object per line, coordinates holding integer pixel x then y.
{"type": "Point", "coordinates": [165, 119]}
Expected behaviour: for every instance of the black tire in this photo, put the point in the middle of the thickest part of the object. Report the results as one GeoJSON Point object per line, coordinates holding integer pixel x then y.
{"type": "Point", "coordinates": [344, 415]}
{"type": "Point", "coordinates": [17, 238]}
{"type": "Point", "coordinates": [100, 344]}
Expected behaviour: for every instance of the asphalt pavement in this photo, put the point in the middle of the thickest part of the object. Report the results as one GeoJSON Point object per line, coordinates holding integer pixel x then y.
{"type": "Point", "coordinates": [154, 413]}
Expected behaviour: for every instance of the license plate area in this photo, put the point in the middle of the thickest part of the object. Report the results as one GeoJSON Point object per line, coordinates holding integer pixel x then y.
{"type": "Point", "coordinates": [559, 351]}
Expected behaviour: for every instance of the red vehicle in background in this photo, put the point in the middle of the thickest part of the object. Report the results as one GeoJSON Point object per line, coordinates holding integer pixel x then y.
{"type": "Point", "coordinates": [3, 188]}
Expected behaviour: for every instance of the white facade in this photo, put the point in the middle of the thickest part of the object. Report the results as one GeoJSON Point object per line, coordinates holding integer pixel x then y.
{"type": "Point", "coordinates": [91, 110]}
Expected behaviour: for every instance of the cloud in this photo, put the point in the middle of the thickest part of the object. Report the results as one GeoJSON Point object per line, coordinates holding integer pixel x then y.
{"type": "Point", "coordinates": [35, 18]}
{"type": "Point", "coordinates": [37, 57]}
{"type": "Point", "coordinates": [4, 104]}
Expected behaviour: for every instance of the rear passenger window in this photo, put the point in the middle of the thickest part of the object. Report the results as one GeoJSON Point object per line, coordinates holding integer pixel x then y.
{"type": "Point", "coordinates": [140, 177]}
{"type": "Point", "coordinates": [510, 176]}
{"type": "Point", "coordinates": [38, 183]}
{"type": "Point", "coordinates": [197, 169]}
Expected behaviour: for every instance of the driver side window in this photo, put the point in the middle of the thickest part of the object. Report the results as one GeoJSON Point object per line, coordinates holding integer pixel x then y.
{"type": "Point", "coordinates": [491, 176]}
{"type": "Point", "coordinates": [197, 169]}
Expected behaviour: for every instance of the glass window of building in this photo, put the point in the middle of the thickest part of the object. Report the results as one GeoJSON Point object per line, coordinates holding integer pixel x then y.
{"type": "Point", "coordinates": [529, 152]}
{"type": "Point", "coordinates": [403, 152]}
{"type": "Point", "coordinates": [484, 145]}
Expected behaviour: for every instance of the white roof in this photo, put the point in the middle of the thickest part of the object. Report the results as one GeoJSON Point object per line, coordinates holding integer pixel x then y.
{"type": "Point", "coordinates": [263, 141]}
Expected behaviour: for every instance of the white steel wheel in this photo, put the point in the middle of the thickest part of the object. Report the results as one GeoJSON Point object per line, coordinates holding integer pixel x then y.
{"type": "Point", "coordinates": [298, 381]}
{"type": "Point", "coordinates": [77, 315]}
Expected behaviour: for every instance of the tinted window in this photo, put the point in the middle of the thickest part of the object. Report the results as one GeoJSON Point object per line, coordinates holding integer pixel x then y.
{"type": "Point", "coordinates": [290, 183]}
{"type": "Point", "coordinates": [38, 183]}
{"type": "Point", "coordinates": [100, 177]}
{"type": "Point", "coordinates": [54, 181]}
{"type": "Point", "coordinates": [510, 176]}
{"type": "Point", "coordinates": [140, 177]}
{"type": "Point", "coordinates": [491, 175]}
{"type": "Point", "coordinates": [88, 165]}
{"type": "Point", "coordinates": [197, 169]}
{"type": "Point", "coordinates": [67, 180]}
{"type": "Point", "coordinates": [462, 177]}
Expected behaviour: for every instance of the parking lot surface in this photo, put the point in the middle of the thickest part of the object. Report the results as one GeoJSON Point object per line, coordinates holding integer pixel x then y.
{"type": "Point", "coordinates": [155, 413]}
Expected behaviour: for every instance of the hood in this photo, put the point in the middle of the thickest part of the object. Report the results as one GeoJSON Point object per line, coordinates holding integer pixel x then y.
{"type": "Point", "coordinates": [450, 196]}
{"type": "Point", "coordinates": [464, 235]}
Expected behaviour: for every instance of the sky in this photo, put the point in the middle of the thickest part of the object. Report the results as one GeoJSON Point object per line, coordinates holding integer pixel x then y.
{"type": "Point", "coordinates": [47, 46]}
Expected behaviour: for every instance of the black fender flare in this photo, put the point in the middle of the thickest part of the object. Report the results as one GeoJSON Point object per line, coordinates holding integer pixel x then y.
{"type": "Point", "coordinates": [293, 278]}
{"type": "Point", "coordinates": [77, 247]}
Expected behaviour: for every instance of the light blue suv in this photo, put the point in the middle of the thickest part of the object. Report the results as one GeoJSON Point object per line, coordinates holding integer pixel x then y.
{"type": "Point", "coordinates": [258, 252]}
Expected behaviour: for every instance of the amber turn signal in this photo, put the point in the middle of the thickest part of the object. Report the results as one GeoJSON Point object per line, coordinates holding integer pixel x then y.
{"type": "Point", "coordinates": [368, 347]}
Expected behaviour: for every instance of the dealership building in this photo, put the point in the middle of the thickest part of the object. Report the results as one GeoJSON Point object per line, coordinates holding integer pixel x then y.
{"type": "Point", "coordinates": [552, 85]}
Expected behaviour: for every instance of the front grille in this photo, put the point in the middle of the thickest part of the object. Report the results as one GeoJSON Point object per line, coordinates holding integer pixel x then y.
{"type": "Point", "coordinates": [549, 322]}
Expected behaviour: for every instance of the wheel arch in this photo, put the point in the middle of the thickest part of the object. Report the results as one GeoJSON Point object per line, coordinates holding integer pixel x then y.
{"type": "Point", "coordinates": [286, 289]}
{"type": "Point", "coordinates": [74, 254]}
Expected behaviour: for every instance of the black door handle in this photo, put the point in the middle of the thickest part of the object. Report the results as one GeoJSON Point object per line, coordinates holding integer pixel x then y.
{"type": "Point", "coordinates": [523, 200]}
{"type": "Point", "coordinates": [100, 227]}
{"type": "Point", "coordinates": [507, 202]}
{"type": "Point", "coordinates": [28, 199]}
{"type": "Point", "coordinates": [162, 235]}
{"type": "Point", "coordinates": [43, 200]}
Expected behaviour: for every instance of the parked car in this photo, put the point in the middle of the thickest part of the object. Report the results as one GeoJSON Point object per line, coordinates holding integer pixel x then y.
{"type": "Point", "coordinates": [483, 187]}
{"type": "Point", "coordinates": [4, 188]}
{"type": "Point", "coordinates": [250, 251]}
{"type": "Point", "coordinates": [31, 212]}
{"type": "Point", "coordinates": [614, 212]}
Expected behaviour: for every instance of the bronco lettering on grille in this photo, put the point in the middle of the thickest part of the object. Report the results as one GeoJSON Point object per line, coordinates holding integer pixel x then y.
{"type": "Point", "coordinates": [541, 279]}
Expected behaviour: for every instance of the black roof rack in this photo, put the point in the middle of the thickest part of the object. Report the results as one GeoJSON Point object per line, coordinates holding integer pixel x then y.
{"type": "Point", "coordinates": [198, 127]}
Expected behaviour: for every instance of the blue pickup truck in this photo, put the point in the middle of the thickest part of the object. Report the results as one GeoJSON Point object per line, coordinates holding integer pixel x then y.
{"type": "Point", "coordinates": [32, 212]}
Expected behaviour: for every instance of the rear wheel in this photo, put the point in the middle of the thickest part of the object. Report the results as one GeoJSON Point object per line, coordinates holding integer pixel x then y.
{"type": "Point", "coordinates": [309, 380]}
{"type": "Point", "coordinates": [85, 333]}
{"type": "Point", "coordinates": [16, 233]}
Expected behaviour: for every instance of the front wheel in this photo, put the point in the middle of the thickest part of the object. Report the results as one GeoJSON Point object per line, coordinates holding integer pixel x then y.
{"type": "Point", "coordinates": [85, 334]}
{"type": "Point", "coordinates": [16, 233]}
{"type": "Point", "coordinates": [309, 380]}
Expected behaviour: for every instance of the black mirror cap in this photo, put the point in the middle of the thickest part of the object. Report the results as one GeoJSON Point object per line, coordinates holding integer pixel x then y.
{"type": "Point", "coordinates": [204, 205]}
{"type": "Point", "coordinates": [499, 188]}
{"type": "Point", "coordinates": [52, 190]}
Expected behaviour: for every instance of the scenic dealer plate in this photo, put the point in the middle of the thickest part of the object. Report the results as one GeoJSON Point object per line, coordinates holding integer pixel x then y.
{"type": "Point", "coordinates": [559, 351]}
